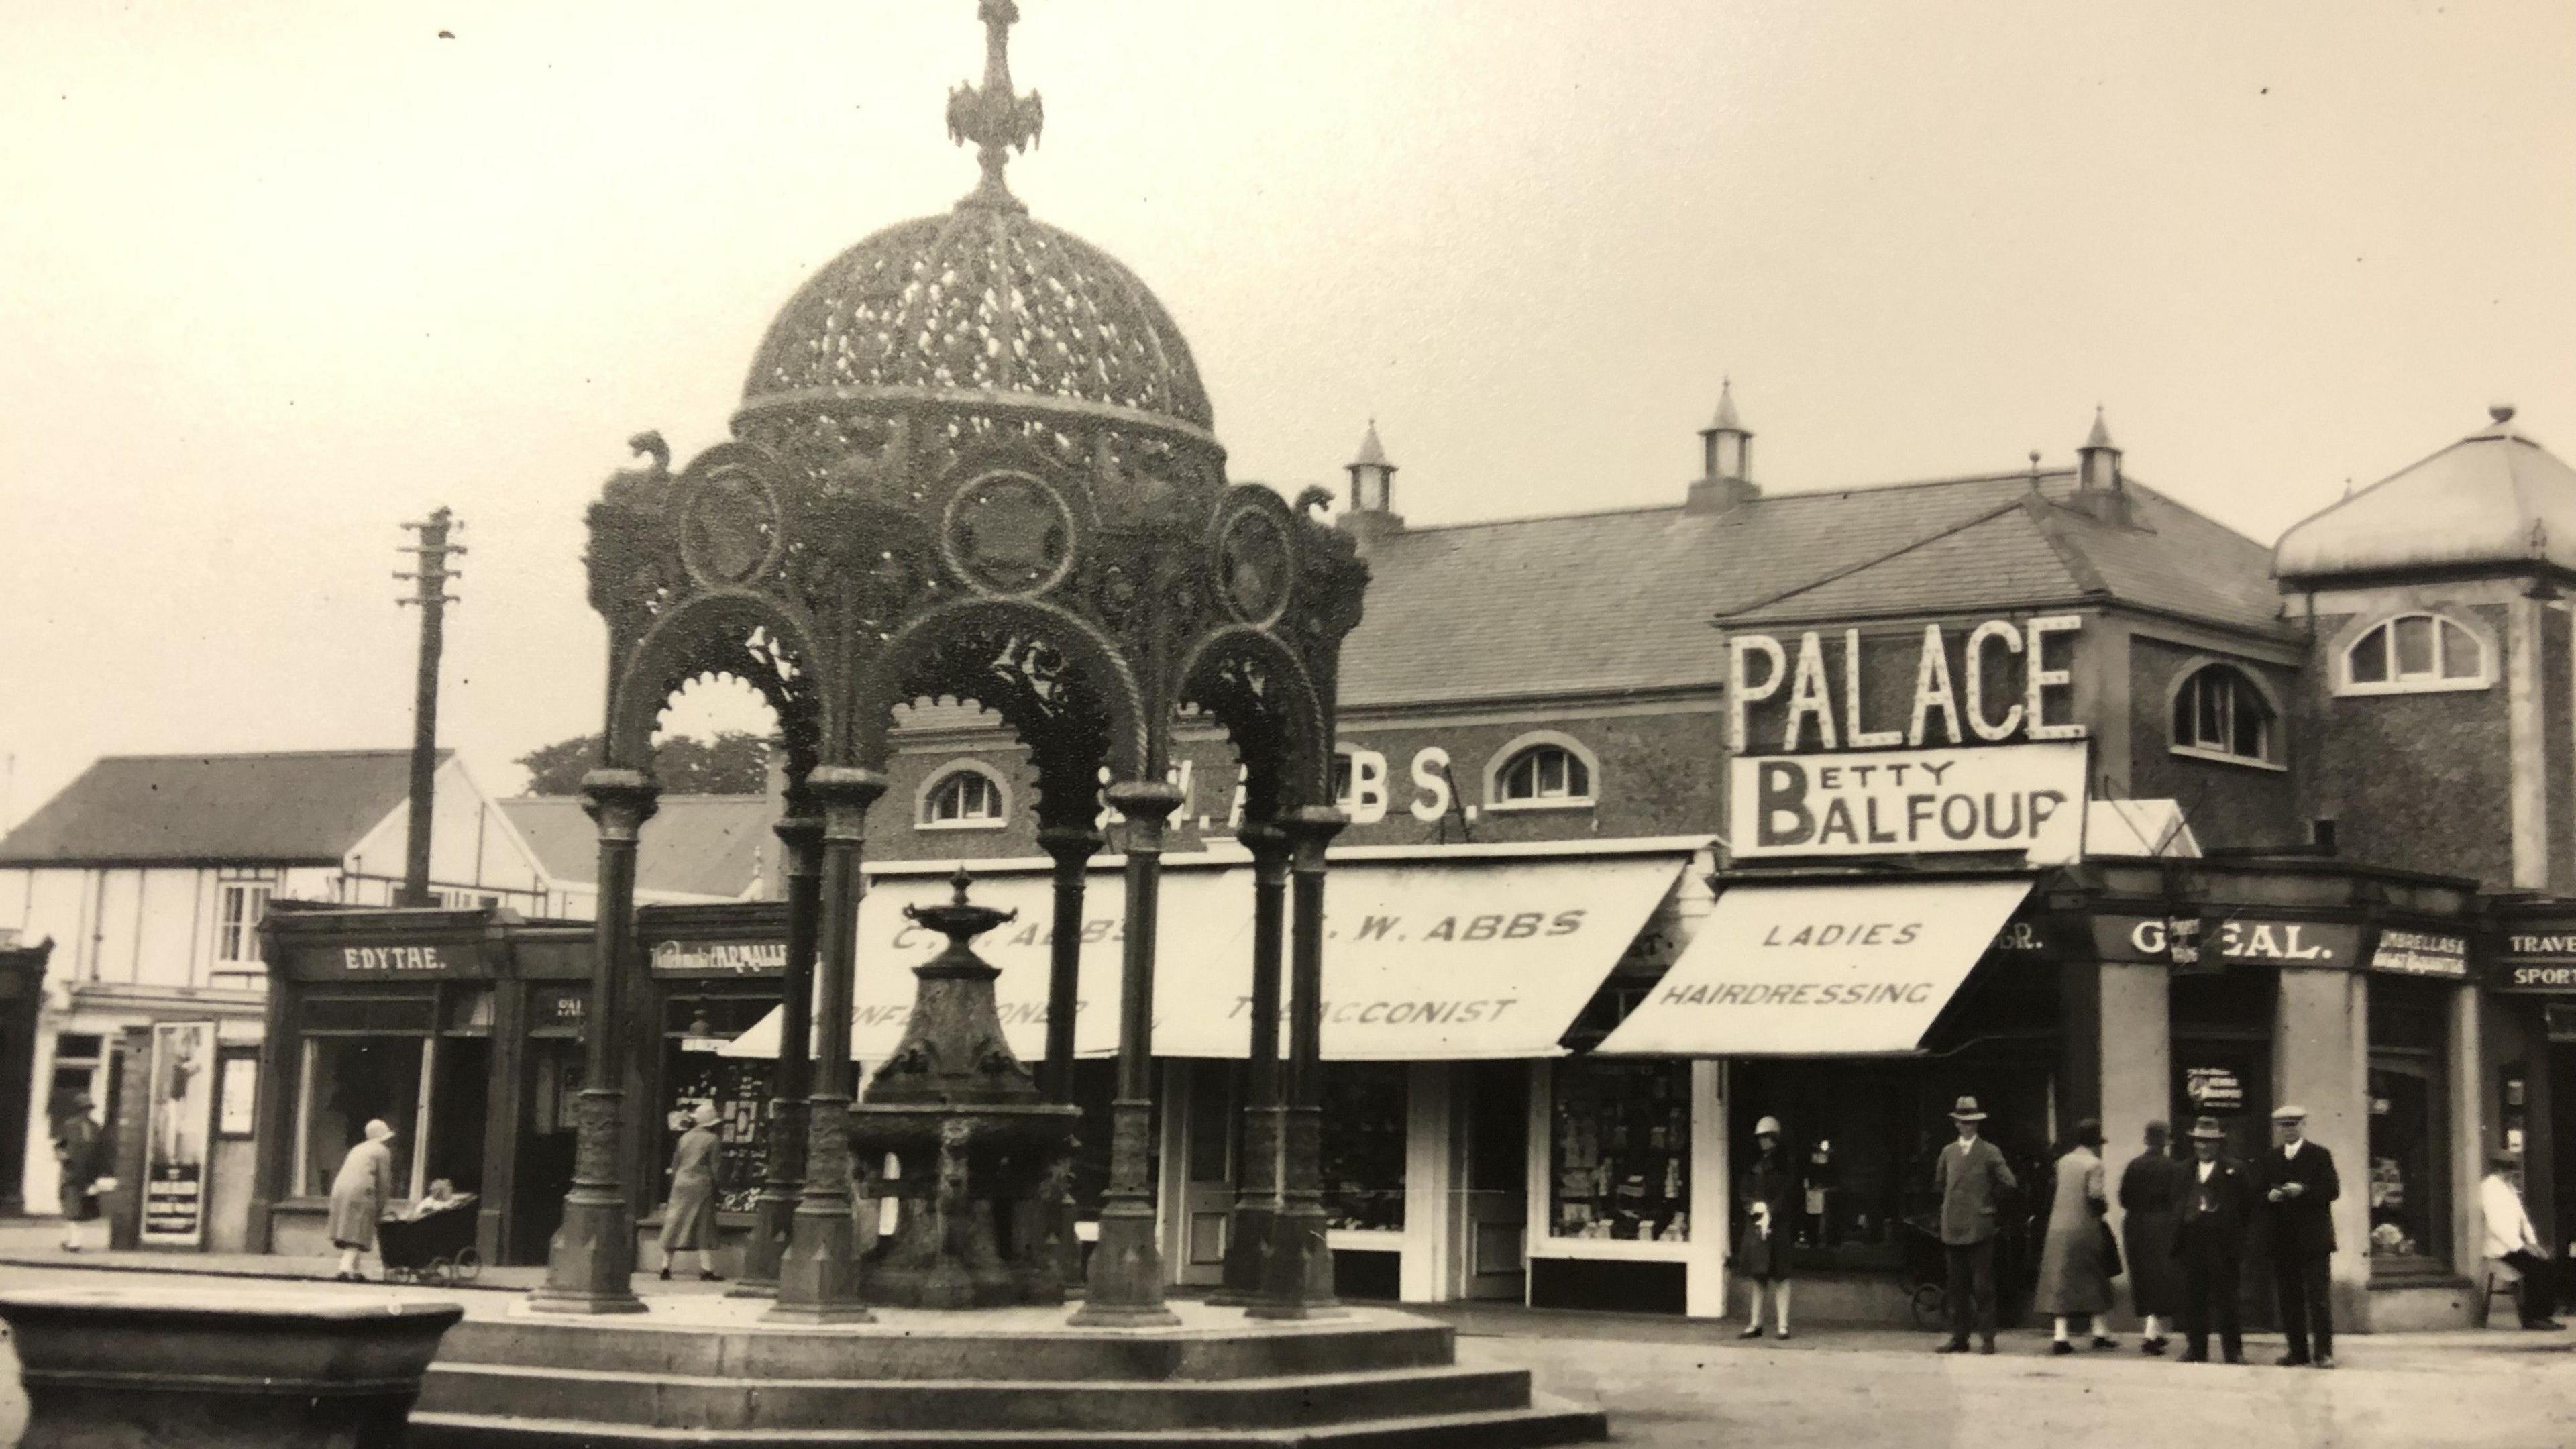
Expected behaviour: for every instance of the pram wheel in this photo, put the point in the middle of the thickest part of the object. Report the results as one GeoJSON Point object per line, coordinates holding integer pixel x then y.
{"type": "Point", "coordinates": [439, 1273]}
{"type": "Point", "coordinates": [469, 1266]}
{"type": "Point", "coordinates": [1931, 1304]}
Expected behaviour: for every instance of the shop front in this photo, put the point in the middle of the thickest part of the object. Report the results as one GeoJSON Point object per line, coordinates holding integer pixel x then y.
{"type": "Point", "coordinates": [2529, 1027]}
{"type": "Point", "coordinates": [458, 1029]}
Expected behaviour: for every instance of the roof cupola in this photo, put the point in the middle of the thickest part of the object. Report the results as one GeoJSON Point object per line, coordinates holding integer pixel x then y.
{"type": "Point", "coordinates": [1726, 459]}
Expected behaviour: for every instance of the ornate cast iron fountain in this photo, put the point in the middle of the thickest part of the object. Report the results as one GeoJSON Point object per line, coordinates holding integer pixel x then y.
{"type": "Point", "coordinates": [982, 1155]}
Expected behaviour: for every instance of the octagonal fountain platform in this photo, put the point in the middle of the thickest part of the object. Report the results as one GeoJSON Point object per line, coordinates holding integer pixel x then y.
{"type": "Point", "coordinates": [705, 1370]}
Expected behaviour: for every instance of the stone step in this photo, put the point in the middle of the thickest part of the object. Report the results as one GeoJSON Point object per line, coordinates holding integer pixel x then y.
{"type": "Point", "coordinates": [1544, 1422]}
{"type": "Point", "coordinates": [767, 1353]}
{"type": "Point", "coordinates": [698, 1402]}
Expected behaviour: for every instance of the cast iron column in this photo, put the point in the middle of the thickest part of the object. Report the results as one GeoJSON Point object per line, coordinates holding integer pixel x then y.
{"type": "Point", "coordinates": [1256, 1194]}
{"type": "Point", "coordinates": [1300, 1280]}
{"type": "Point", "coordinates": [1126, 1283]}
{"type": "Point", "coordinates": [1072, 846]}
{"type": "Point", "coordinates": [773, 1213]}
{"type": "Point", "coordinates": [818, 1279]}
{"type": "Point", "coordinates": [591, 1263]}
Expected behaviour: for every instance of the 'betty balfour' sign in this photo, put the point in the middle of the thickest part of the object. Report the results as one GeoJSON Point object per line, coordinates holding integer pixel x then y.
{"type": "Point", "coordinates": [1910, 802]}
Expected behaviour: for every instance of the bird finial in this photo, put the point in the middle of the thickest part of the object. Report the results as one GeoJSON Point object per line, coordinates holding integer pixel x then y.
{"type": "Point", "coordinates": [993, 116]}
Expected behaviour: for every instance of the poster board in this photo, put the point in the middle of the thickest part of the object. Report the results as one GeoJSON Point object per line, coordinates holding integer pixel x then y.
{"type": "Point", "coordinates": [180, 1119]}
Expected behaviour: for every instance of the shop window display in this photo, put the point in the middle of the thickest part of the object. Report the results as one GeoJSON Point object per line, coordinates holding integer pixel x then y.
{"type": "Point", "coordinates": [1619, 1162]}
{"type": "Point", "coordinates": [738, 1086]}
{"type": "Point", "coordinates": [348, 1080]}
{"type": "Point", "coordinates": [1363, 1145]}
{"type": "Point", "coordinates": [2409, 1177]}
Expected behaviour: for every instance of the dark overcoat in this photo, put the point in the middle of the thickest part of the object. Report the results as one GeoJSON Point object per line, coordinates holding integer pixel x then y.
{"type": "Point", "coordinates": [1767, 1181]}
{"type": "Point", "coordinates": [1971, 1178]}
{"type": "Point", "coordinates": [2151, 1190]}
{"type": "Point", "coordinates": [2301, 1226]}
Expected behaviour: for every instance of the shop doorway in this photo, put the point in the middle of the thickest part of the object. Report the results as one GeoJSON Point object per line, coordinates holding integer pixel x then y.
{"type": "Point", "coordinates": [2222, 1068]}
{"type": "Point", "coordinates": [1495, 1235]}
{"type": "Point", "coordinates": [2562, 1118]}
{"type": "Point", "coordinates": [1209, 1140]}
{"type": "Point", "coordinates": [459, 1093]}
{"type": "Point", "coordinates": [543, 1172]}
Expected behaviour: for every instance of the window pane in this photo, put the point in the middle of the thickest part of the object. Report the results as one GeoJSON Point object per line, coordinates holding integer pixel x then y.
{"type": "Point", "coordinates": [2370, 657]}
{"type": "Point", "coordinates": [2414, 645]}
{"type": "Point", "coordinates": [1551, 772]}
{"type": "Point", "coordinates": [2186, 710]}
{"type": "Point", "coordinates": [1520, 777]}
{"type": "Point", "coordinates": [2459, 652]}
{"type": "Point", "coordinates": [1363, 1144]}
{"type": "Point", "coordinates": [356, 1079]}
{"type": "Point", "coordinates": [1578, 781]}
{"type": "Point", "coordinates": [2251, 715]}
{"type": "Point", "coordinates": [2212, 730]}
{"type": "Point", "coordinates": [1620, 1158]}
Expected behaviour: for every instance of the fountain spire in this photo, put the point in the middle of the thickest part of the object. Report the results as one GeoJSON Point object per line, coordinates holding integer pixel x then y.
{"type": "Point", "coordinates": [993, 116]}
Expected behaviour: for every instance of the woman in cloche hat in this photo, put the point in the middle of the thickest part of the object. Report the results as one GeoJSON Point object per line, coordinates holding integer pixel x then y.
{"type": "Point", "coordinates": [689, 1218]}
{"type": "Point", "coordinates": [1762, 1252]}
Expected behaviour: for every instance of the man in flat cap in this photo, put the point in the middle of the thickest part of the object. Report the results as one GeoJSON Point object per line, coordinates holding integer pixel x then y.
{"type": "Point", "coordinates": [2299, 1188]}
{"type": "Point", "coordinates": [2216, 1207]}
{"type": "Point", "coordinates": [1972, 1178]}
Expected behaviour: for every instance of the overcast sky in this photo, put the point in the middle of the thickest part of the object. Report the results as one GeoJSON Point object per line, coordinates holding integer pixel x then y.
{"type": "Point", "coordinates": [277, 275]}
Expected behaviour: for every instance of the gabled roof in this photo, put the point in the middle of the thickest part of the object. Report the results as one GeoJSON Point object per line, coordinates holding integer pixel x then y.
{"type": "Point", "coordinates": [277, 808]}
{"type": "Point", "coordinates": [695, 845]}
{"type": "Point", "coordinates": [2494, 499]}
{"type": "Point", "coordinates": [1622, 602]}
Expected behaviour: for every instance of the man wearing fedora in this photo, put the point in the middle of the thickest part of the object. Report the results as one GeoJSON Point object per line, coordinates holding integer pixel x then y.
{"type": "Point", "coordinates": [2299, 1188]}
{"type": "Point", "coordinates": [2209, 1241]}
{"type": "Point", "coordinates": [1972, 1178]}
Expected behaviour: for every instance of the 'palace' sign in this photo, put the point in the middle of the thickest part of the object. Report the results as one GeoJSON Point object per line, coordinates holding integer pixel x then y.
{"type": "Point", "coordinates": [1974, 701]}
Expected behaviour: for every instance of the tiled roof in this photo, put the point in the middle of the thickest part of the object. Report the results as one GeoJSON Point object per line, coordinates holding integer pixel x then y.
{"type": "Point", "coordinates": [1625, 601]}
{"type": "Point", "coordinates": [699, 845]}
{"type": "Point", "coordinates": [270, 808]}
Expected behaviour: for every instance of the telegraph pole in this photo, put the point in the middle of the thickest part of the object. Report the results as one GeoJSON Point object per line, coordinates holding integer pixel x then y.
{"type": "Point", "coordinates": [431, 595]}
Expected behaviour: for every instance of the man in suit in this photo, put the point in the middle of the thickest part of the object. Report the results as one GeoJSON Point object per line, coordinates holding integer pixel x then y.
{"type": "Point", "coordinates": [1972, 1178]}
{"type": "Point", "coordinates": [2209, 1241]}
{"type": "Point", "coordinates": [2299, 1188]}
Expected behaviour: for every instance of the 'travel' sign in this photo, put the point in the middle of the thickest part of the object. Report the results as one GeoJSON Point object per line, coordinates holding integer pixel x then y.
{"type": "Point", "coordinates": [2536, 959]}
{"type": "Point", "coordinates": [719, 958]}
{"type": "Point", "coordinates": [1910, 802]}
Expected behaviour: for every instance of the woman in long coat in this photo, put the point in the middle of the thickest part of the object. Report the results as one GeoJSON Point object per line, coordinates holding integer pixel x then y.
{"type": "Point", "coordinates": [1766, 1197]}
{"type": "Point", "coordinates": [2074, 1274]}
{"type": "Point", "coordinates": [689, 1218]}
{"type": "Point", "coordinates": [2151, 1192]}
{"type": "Point", "coordinates": [359, 1195]}
{"type": "Point", "coordinates": [76, 1147]}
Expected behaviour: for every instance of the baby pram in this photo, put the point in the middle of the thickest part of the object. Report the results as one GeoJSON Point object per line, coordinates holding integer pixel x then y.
{"type": "Point", "coordinates": [435, 1247]}
{"type": "Point", "coordinates": [1927, 1272]}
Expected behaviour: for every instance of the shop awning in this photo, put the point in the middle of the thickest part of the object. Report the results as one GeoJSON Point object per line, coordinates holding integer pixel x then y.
{"type": "Point", "coordinates": [1819, 970]}
{"type": "Point", "coordinates": [1429, 959]}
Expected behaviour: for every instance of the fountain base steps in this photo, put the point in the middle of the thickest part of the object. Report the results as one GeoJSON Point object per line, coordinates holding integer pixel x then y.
{"type": "Point", "coordinates": [710, 1375]}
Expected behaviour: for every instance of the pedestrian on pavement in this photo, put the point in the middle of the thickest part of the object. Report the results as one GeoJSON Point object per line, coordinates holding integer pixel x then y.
{"type": "Point", "coordinates": [2217, 1208]}
{"type": "Point", "coordinates": [2075, 1263]}
{"type": "Point", "coordinates": [1972, 1178]}
{"type": "Point", "coordinates": [2299, 1189]}
{"type": "Point", "coordinates": [2514, 1246]}
{"type": "Point", "coordinates": [2151, 1193]}
{"type": "Point", "coordinates": [80, 1148]}
{"type": "Point", "coordinates": [1768, 1197]}
{"type": "Point", "coordinates": [359, 1195]}
{"type": "Point", "coordinates": [689, 1218]}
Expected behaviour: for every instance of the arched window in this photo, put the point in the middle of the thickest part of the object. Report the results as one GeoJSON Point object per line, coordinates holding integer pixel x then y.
{"type": "Point", "coordinates": [1544, 773]}
{"type": "Point", "coordinates": [2220, 711]}
{"type": "Point", "coordinates": [967, 797]}
{"type": "Point", "coordinates": [2415, 652]}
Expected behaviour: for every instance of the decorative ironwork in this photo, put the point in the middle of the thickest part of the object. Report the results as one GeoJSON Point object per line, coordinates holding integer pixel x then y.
{"type": "Point", "coordinates": [997, 120]}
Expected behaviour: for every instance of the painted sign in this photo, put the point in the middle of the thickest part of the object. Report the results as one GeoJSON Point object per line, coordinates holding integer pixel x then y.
{"type": "Point", "coordinates": [1910, 802]}
{"type": "Point", "coordinates": [2421, 953]}
{"type": "Point", "coordinates": [2536, 959]}
{"type": "Point", "coordinates": [174, 1149]}
{"type": "Point", "coordinates": [558, 1008]}
{"type": "Point", "coordinates": [1824, 712]}
{"type": "Point", "coordinates": [2214, 1090]}
{"type": "Point", "coordinates": [719, 958]}
{"type": "Point", "coordinates": [1836, 969]}
{"type": "Point", "coordinates": [395, 961]}
{"type": "Point", "coordinates": [2234, 941]}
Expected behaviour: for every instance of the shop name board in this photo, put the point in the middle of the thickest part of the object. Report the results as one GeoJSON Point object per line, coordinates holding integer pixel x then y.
{"type": "Point", "coordinates": [2536, 961]}
{"type": "Point", "coordinates": [395, 961]}
{"type": "Point", "coordinates": [2421, 953]}
{"type": "Point", "coordinates": [1828, 713]}
{"type": "Point", "coordinates": [2237, 941]}
{"type": "Point", "coordinates": [1437, 1012]}
{"type": "Point", "coordinates": [1909, 802]}
{"type": "Point", "coordinates": [719, 958]}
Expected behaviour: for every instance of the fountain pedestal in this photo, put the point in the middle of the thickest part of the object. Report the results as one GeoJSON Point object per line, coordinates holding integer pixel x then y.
{"type": "Point", "coordinates": [981, 1158]}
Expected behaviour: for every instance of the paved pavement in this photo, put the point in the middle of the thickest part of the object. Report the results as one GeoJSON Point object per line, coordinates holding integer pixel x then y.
{"type": "Point", "coordinates": [1667, 1382]}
